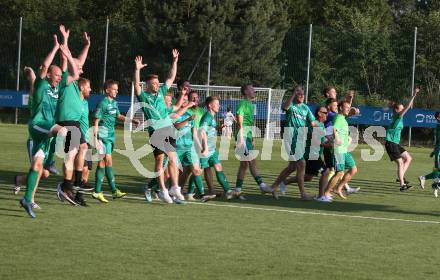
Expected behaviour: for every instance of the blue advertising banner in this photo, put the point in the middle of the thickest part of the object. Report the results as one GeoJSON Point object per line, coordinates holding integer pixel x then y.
{"type": "Point", "coordinates": [368, 115]}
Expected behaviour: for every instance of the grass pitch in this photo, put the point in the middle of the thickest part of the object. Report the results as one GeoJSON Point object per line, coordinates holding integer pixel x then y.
{"type": "Point", "coordinates": [379, 233]}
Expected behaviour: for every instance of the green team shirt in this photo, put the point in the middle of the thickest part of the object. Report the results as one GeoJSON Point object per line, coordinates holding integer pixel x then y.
{"type": "Point", "coordinates": [70, 105]}
{"type": "Point", "coordinates": [246, 110]}
{"type": "Point", "coordinates": [209, 125]}
{"type": "Point", "coordinates": [299, 115]}
{"type": "Point", "coordinates": [107, 111]}
{"type": "Point", "coordinates": [184, 139]}
{"type": "Point", "coordinates": [84, 121]}
{"type": "Point", "coordinates": [395, 129]}
{"type": "Point", "coordinates": [341, 126]}
{"type": "Point", "coordinates": [314, 150]}
{"type": "Point", "coordinates": [44, 101]}
{"type": "Point", "coordinates": [156, 111]}
{"type": "Point", "coordinates": [199, 112]}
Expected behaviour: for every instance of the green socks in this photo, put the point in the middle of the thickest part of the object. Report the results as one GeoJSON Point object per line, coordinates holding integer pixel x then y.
{"type": "Point", "coordinates": [221, 178]}
{"type": "Point", "coordinates": [99, 178]}
{"type": "Point", "coordinates": [31, 183]}
{"type": "Point", "coordinates": [199, 184]}
{"type": "Point", "coordinates": [433, 175]}
{"type": "Point", "coordinates": [191, 184]}
{"type": "Point", "coordinates": [258, 179]}
{"type": "Point", "coordinates": [239, 185]}
{"type": "Point", "coordinates": [110, 177]}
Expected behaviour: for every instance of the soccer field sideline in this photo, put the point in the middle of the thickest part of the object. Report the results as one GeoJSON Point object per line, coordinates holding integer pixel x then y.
{"type": "Point", "coordinates": [212, 203]}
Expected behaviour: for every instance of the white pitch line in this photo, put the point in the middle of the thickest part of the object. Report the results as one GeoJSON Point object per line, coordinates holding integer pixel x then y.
{"type": "Point", "coordinates": [288, 211]}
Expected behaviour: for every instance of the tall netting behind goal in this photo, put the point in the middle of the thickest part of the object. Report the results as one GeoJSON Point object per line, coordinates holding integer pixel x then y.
{"type": "Point", "coordinates": [267, 113]}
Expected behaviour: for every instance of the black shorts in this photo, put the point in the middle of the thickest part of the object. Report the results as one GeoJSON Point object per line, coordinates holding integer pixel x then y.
{"type": "Point", "coordinates": [164, 140]}
{"type": "Point", "coordinates": [315, 167]}
{"type": "Point", "coordinates": [328, 157]}
{"type": "Point", "coordinates": [76, 124]}
{"type": "Point", "coordinates": [394, 150]}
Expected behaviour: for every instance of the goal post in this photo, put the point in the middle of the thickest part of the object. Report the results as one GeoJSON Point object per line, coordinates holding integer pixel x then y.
{"type": "Point", "coordinates": [267, 102]}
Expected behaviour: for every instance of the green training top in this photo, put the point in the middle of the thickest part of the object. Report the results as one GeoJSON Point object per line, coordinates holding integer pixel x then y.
{"type": "Point", "coordinates": [84, 121]}
{"type": "Point", "coordinates": [395, 129]}
{"type": "Point", "coordinates": [246, 109]}
{"type": "Point", "coordinates": [314, 150]}
{"type": "Point", "coordinates": [209, 125]}
{"type": "Point", "coordinates": [184, 139]}
{"type": "Point", "coordinates": [155, 109]}
{"type": "Point", "coordinates": [69, 107]}
{"type": "Point", "coordinates": [107, 111]}
{"type": "Point", "coordinates": [45, 98]}
{"type": "Point", "coordinates": [341, 126]}
{"type": "Point", "coordinates": [299, 115]}
{"type": "Point", "coordinates": [198, 111]}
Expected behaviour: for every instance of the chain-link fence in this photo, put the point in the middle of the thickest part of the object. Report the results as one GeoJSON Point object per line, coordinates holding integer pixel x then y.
{"type": "Point", "coordinates": [377, 65]}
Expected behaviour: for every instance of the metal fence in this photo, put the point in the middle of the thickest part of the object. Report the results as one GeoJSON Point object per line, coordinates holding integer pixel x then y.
{"type": "Point", "coordinates": [378, 65]}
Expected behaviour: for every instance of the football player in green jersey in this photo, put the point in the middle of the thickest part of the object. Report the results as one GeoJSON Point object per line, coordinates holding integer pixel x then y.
{"type": "Point", "coordinates": [160, 127]}
{"type": "Point", "coordinates": [210, 156]}
{"type": "Point", "coordinates": [106, 115]}
{"type": "Point", "coordinates": [392, 142]}
{"type": "Point", "coordinates": [342, 158]}
{"type": "Point", "coordinates": [196, 109]}
{"type": "Point", "coordinates": [245, 141]}
{"type": "Point", "coordinates": [68, 115]}
{"type": "Point", "coordinates": [435, 174]}
{"type": "Point", "coordinates": [42, 123]}
{"type": "Point", "coordinates": [298, 118]}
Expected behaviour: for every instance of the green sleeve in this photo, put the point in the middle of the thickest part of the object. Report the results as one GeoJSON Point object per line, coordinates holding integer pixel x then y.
{"type": "Point", "coordinates": [240, 109]}
{"type": "Point", "coordinates": [204, 123]}
{"type": "Point", "coordinates": [99, 110]}
{"type": "Point", "coordinates": [38, 92]}
{"type": "Point", "coordinates": [117, 109]}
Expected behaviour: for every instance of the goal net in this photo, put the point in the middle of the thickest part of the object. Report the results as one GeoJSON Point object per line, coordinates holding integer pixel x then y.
{"type": "Point", "coordinates": [267, 112]}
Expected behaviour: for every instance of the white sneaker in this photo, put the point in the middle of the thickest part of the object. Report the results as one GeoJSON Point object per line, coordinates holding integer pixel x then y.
{"type": "Point", "coordinates": [207, 197]}
{"type": "Point", "coordinates": [175, 191]}
{"type": "Point", "coordinates": [324, 198]}
{"type": "Point", "coordinates": [190, 197]}
{"type": "Point", "coordinates": [147, 195]}
{"type": "Point", "coordinates": [435, 193]}
{"type": "Point", "coordinates": [265, 188]}
{"type": "Point", "coordinates": [352, 190]}
{"type": "Point", "coordinates": [229, 194]}
{"type": "Point", "coordinates": [422, 182]}
{"type": "Point", "coordinates": [165, 196]}
{"type": "Point", "coordinates": [35, 206]}
{"type": "Point", "coordinates": [283, 188]}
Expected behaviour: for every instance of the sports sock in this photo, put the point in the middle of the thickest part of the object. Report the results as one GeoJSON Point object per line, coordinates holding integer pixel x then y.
{"type": "Point", "coordinates": [238, 185]}
{"type": "Point", "coordinates": [99, 179]}
{"type": "Point", "coordinates": [432, 175]}
{"type": "Point", "coordinates": [221, 178]}
{"type": "Point", "coordinates": [78, 177]}
{"type": "Point", "coordinates": [259, 180]}
{"type": "Point", "coordinates": [199, 184]}
{"type": "Point", "coordinates": [110, 177]}
{"type": "Point", "coordinates": [191, 184]}
{"type": "Point", "coordinates": [31, 183]}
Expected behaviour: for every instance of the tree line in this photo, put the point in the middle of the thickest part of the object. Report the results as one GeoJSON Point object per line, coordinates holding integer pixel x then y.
{"type": "Point", "coordinates": [365, 45]}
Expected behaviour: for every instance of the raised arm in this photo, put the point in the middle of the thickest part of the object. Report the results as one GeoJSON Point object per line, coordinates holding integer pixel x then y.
{"type": "Point", "coordinates": [173, 70]}
{"type": "Point", "coordinates": [288, 102]}
{"type": "Point", "coordinates": [49, 58]}
{"type": "Point", "coordinates": [410, 103]}
{"type": "Point", "coordinates": [83, 55]}
{"type": "Point", "coordinates": [180, 111]}
{"type": "Point", "coordinates": [65, 32]}
{"type": "Point", "coordinates": [73, 67]}
{"type": "Point", "coordinates": [138, 65]}
{"type": "Point", "coordinates": [30, 76]}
